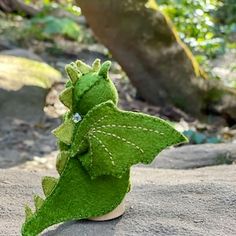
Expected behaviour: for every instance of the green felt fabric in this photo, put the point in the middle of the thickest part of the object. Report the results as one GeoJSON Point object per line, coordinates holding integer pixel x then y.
{"type": "Point", "coordinates": [38, 202]}
{"type": "Point", "coordinates": [83, 67]}
{"type": "Point", "coordinates": [62, 158]}
{"type": "Point", "coordinates": [66, 97]}
{"type": "Point", "coordinates": [73, 72]}
{"type": "Point", "coordinates": [102, 91]}
{"type": "Point", "coordinates": [77, 197]}
{"type": "Point", "coordinates": [28, 213]}
{"type": "Point", "coordinates": [119, 139]}
{"type": "Point", "coordinates": [96, 65]}
{"type": "Point", "coordinates": [65, 131]}
{"type": "Point", "coordinates": [89, 87]}
{"type": "Point", "coordinates": [96, 152]}
{"type": "Point", "coordinates": [48, 184]}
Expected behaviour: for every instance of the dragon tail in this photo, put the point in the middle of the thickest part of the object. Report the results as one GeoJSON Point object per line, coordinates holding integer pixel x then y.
{"type": "Point", "coordinates": [67, 198]}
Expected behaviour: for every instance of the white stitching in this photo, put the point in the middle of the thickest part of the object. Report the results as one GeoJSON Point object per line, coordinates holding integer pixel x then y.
{"type": "Point", "coordinates": [105, 148]}
{"type": "Point", "coordinates": [98, 121]}
{"type": "Point", "coordinates": [120, 138]}
{"type": "Point", "coordinates": [91, 150]}
{"type": "Point", "coordinates": [80, 144]}
{"type": "Point", "coordinates": [129, 127]}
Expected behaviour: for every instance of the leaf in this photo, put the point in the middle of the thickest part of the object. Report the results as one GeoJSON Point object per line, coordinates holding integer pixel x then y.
{"type": "Point", "coordinates": [70, 28]}
{"type": "Point", "coordinates": [53, 25]}
{"type": "Point", "coordinates": [119, 139]}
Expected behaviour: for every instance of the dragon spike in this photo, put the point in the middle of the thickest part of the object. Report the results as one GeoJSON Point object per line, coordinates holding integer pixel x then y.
{"type": "Point", "coordinates": [28, 213]}
{"type": "Point", "coordinates": [61, 161]}
{"type": "Point", "coordinates": [84, 68]}
{"type": "Point", "coordinates": [64, 132]}
{"type": "Point", "coordinates": [104, 69]}
{"type": "Point", "coordinates": [68, 84]}
{"type": "Point", "coordinates": [73, 72]}
{"type": "Point", "coordinates": [38, 202]}
{"type": "Point", "coordinates": [96, 65]}
{"type": "Point", "coordinates": [66, 97]}
{"type": "Point", "coordinates": [48, 184]}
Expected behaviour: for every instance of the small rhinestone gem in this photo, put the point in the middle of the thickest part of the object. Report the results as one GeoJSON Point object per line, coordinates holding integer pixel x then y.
{"type": "Point", "coordinates": [76, 118]}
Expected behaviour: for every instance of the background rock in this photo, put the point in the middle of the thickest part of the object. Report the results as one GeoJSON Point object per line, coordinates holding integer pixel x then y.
{"type": "Point", "coordinates": [19, 52]}
{"type": "Point", "coordinates": [195, 156]}
{"type": "Point", "coordinates": [24, 84]}
{"type": "Point", "coordinates": [224, 68]}
{"type": "Point", "coordinates": [4, 44]}
{"type": "Point", "coordinates": [162, 202]}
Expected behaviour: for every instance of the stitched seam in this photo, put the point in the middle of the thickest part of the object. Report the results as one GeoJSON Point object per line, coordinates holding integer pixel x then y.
{"type": "Point", "coordinates": [130, 127]}
{"type": "Point", "coordinates": [88, 115]}
{"type": "Point", "coordinates": [87, 89]}
{"type": "Point", "coordinates": [120, 138]}
{"type": "Point", "coordinates": [80, 145]}
{"type": "Point", "coordinates": [104, 147]}
{"type": "Point", "coordinates": [98, 121]}
{"type": "Point", "coordinates": [91, 151]}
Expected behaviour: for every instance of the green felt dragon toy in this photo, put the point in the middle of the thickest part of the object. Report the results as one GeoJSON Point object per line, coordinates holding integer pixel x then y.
{"type": "Point", "coordinates": [98, 145]}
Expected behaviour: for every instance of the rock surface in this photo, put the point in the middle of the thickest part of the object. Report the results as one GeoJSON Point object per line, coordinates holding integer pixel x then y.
{"type": "Point", "coordinates": [223, 67]}
{"type": "Point", "coordinates": [195, 156]}
{"type": "Point", "coordinates": [162, 202]}
{"type": "Point", "coordinates": [23, 87]}
{"type": "Point", "coordinates": [19, 52]}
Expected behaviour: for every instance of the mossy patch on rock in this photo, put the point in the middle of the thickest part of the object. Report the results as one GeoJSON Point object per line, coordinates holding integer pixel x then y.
{"type": "Point", "coordinates": [24, 84]}
{"type": "Point", "coordinates": [16, 72]}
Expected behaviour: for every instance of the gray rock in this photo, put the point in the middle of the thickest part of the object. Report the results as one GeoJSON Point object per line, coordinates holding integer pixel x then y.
{"type": "Point", "coordinates": [223, 67]}
{"type": "Point", "coordinates": [26, 104]}
{"type": "Point", "coordinates": [24, 84]}
{"type": "Point", "coordinates": [195, 156]}
{"type": "Point", "coordinates": [5, 44]}
{"type": "Point", "coordinates": [162, 202]}
{"type": "Point", "coordinates": [19, 52]}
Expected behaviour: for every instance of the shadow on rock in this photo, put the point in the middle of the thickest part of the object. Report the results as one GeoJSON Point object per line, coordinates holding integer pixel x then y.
{"type": "Point", "coordinates": [106, 228]}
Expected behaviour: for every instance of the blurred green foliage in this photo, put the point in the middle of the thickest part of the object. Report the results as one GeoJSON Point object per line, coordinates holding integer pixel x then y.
{"type": "Point", "coordinates": [65, 4]}
{"type": "Point", "coordinates": [199, 138]}
{"type": "Point", "coordinates": [56, 18]}
{"type": "Point", "coordinates": [206, 26]}
{"type": "Point", "coordinates": [45, 27]}
{"type": "Point", "coordinates": [226, 13]}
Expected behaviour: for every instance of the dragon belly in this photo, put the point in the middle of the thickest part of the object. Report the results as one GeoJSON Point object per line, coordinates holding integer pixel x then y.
{"type": "Point", "coordinates": [77, 196]}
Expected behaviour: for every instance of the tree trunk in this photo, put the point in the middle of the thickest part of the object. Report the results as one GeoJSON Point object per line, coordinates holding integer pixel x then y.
{"type": "Point", "coordinates": [10, 6]}
{"type": "Point", "coordinates": [147, 47]}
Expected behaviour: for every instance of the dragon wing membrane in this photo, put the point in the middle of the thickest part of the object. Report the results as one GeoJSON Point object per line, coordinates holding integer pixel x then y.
{"type": "Point", "coordinates": [119, 139]}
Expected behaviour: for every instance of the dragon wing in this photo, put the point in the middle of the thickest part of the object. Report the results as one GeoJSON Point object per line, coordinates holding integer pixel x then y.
{"type": "Point", "coordinates": [119, 139]}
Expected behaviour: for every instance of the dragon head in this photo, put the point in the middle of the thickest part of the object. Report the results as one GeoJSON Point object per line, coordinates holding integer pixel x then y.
{"type": "Point", "coordinates": [88, 86]}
